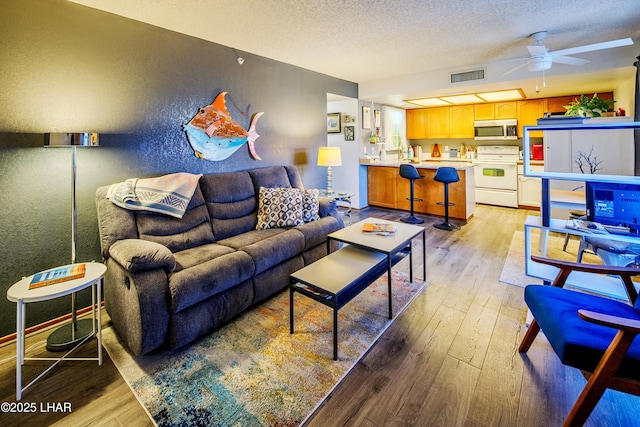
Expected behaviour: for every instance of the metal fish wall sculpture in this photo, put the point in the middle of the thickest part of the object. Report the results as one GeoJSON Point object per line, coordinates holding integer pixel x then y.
{"type": "Point", "coordinates": [214, 135]}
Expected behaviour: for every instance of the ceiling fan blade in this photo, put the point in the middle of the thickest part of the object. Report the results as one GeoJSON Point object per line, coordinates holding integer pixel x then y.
{"type": "Point", "coordinates": [592, 47]}
{"type": "Point", "coordinates": [570, 60]}
{"type": "Point", "coordinates": [511, 70]}
{"type": "Point", "coordinates": [537, 50]}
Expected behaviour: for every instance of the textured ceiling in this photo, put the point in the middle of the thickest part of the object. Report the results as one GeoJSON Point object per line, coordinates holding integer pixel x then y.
{"type": "Point", "coordinates": [381, 43]}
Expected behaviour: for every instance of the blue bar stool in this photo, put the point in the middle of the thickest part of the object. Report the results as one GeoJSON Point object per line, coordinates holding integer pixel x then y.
{"type": "Point", "coordinates": [446, 175]}
{"type": "Point", "coordinates": [411, 173]}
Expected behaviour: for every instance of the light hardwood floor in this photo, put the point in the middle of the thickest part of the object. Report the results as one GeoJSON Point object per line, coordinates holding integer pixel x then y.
{"type": "Point", "coordinates": [450, 359]}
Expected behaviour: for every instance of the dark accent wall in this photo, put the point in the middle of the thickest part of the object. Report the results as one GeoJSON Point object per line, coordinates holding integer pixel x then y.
{"type": "Point", "coordinates": [69, 68]}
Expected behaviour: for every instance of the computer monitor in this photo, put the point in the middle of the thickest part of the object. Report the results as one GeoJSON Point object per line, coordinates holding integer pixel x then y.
{"type": "Point", "coordinates": [614, 204]}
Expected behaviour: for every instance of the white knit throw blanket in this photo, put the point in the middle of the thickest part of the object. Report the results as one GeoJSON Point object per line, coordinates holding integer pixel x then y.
{"type": "Point", "coordinates": [168, 194]}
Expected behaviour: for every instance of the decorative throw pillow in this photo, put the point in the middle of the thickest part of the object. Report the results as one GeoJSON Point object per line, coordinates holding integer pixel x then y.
{"type": "Point", "coordinates": [311, 206]}
{"type": "Point", "coordinates": [279, 207]}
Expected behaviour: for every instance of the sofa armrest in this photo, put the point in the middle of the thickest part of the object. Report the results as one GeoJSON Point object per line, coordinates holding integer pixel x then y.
{"type": "Point", "coordinates": [327, 205]}
{"type": "Point", "coordinates": [141, 255]}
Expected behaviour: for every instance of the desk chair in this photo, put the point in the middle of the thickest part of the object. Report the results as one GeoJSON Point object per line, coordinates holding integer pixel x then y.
{"type": "Point", "coordinates": [589, 332]}
{"type": "Point", "coordinates": [446, 175]}
{"type": "Point", "coordinates": [411, 173]}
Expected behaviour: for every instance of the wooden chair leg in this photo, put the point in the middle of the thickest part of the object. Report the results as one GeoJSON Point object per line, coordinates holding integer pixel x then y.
{"type": "Point", "coordinates": [531, 334]}
{"type": "Point", "coordinates": [598, 381]}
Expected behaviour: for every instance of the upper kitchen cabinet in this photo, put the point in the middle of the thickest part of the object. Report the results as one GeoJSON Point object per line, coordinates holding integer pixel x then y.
{"type": "Point", "coordinates": [461, 121]}
{"type": "Point", "coordinates": [529, 111]}
{"type": "Point", "coordinates": [496, 110]}
{"type": "Point", "coordinates": [438, 122]}
{"type": "Point", "coordinates": [417, 123]}
{"type": "Point", "coordinates": [557, 103]}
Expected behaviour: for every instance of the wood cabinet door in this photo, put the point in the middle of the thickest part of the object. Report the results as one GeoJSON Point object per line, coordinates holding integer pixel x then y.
{"type": "Point", "coordinates": [529, 112]}
{"type": "Point", "coordinates": [381, 186]}
{"type": "Point", "coordinates": [461, 117]}
{"type": "Point", "coordinates": [417, 123]}
{"type": "Point", "coordinates": [557, 103]}
{"type": "Point", "coordinates": [484, 111]}
{"type": "Point", "coordinates": [506, 110]}
{"type": "Point", "coordinates": [438, 122]}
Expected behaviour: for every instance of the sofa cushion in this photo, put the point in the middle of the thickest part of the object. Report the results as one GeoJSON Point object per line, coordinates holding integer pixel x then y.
{"type": "Point", "coordinates": [268, 247]}
{"type": "Point", "coordinates": [193, 229]}
{"type": "Point", "coordinates": [315, 233]}
{"type": "Point", "coordinates": [279, 207]}
{"type": "Point", "coordinates": [194, 284]}
{"type": "Point", "coordinates": [231, 201]}
{"type": "Point", "coordinates": [271, 177]}
{"type": "Point", "coordinates": [310, 205]}
{"type": "Point", "coordinates": [194, 256]}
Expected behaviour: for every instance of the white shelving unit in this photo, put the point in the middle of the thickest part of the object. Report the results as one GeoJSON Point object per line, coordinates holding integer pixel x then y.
{"type": "Point", "coordinates": [609, 286]}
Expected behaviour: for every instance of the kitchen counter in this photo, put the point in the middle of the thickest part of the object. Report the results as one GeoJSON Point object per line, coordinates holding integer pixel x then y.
{"type": "Point", "coordinates": [386, 188]}
{"type": "Point", "coordinates": [459, 164]}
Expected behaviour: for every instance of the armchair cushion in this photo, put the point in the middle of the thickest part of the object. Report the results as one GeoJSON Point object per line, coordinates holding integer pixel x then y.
{"type": "Point", "coordinates": [577, 342]}
{"type": "Point", "coordinates": [140, 255]}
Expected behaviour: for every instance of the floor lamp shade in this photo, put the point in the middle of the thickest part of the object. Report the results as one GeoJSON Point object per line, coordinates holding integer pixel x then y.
{"type": "Point", "coordinates": [329, 156]}
{"type": "Point", "coordinates": [67, 336]}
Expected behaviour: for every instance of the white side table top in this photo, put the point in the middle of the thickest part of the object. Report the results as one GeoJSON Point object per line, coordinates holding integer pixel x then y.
{"type": "Point", "coordinates": [21, 291]}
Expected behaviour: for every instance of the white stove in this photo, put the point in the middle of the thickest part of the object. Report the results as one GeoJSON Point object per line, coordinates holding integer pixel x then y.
{"type": "Point", "coordinates": [497, 175]}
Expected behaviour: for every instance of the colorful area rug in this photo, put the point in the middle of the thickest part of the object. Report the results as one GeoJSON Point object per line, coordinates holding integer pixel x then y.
{"type": "Point", "coordinates": [253, 372]}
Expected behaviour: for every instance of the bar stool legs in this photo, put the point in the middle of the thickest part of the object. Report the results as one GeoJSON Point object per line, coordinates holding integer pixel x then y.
{"type": "Point", "coordinates": [446, 175]}
{"type": "Point", "coordinates": [411, 173]}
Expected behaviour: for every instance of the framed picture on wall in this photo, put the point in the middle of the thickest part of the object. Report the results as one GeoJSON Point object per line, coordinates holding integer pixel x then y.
{"type": "Point", "coordinates": [349, 133]}
{"type": "Point", "coordinates": [376, 114]}
{"type": "Point", "coordinates": [333, 123]}
{"type": "Point", "coordinates": [366, 117]}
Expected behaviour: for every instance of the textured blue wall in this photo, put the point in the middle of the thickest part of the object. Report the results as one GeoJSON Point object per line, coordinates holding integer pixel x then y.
{"type": "Point", "coordinates": [68, 68]}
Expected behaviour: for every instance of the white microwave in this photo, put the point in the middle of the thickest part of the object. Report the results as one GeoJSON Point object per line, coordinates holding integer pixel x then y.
{"type": "Point", "coordinates": [495, 129]}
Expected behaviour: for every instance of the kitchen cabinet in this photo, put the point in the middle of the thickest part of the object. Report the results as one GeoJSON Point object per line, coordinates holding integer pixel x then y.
{"type": "Point", "coordinates": [381, 186]}
{"type": "Point", "coordinates": [556, 104]}
{"type": "Point", "coordinates": [438, 122]}
{"type": "Point", "coordinates": [417, 123]}
{"type": "Point", "coordinates": [529, 188]}
{"type": "Point", "coordinates": [461, 118]}
{"type": "Point", "coordinates": [388, 189]}
{"type": "Point", "coordinates": [495, 110]}
{"type": "Point", "coordinates": [529, 111]}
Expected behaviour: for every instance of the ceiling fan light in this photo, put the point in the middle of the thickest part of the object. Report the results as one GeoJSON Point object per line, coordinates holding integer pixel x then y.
{"type": "Point", "coordinates": [539, 63]}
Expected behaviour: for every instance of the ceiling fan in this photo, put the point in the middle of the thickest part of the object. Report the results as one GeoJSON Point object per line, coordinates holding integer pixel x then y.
{"type": "Point", "coordinates": [540, 58]}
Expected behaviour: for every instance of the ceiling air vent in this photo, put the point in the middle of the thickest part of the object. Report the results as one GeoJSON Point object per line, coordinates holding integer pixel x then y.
{"type": "Point", "coordinates": [467, 76]}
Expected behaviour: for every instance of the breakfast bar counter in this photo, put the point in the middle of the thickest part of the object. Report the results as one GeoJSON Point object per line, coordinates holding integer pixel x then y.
{"type": "Point", "coordinates": [386, 188]}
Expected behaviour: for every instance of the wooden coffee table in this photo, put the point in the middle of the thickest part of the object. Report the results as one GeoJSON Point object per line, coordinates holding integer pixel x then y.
{"type": "Point", "coordinates": [340, 276]}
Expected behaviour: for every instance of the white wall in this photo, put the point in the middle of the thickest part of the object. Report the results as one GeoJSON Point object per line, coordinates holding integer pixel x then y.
{"type": "Point", "coordinates": [625, 96]}
{"type": "Point", "coordinates": [346, 177]}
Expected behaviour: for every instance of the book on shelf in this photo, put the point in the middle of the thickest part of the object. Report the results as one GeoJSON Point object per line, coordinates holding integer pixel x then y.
{"type": "Point", "coordinates": [380, 228]}
{"type": "Point", "coordinates": [57, 275]}
{"type": "Point", "coordinates": [589, 227]}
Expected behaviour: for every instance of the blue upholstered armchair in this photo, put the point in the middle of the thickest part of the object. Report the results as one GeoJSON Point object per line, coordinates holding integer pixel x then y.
{"type": "Point", "coordinates": [592, 333]}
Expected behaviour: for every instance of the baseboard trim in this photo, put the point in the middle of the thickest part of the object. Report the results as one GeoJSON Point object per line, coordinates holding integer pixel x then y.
{"type": "Point", "coordinates": [42, 326]}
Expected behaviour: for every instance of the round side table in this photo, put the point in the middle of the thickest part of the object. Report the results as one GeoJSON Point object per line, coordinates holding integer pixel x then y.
{"type": "Point", "coordinates": [22, 295]}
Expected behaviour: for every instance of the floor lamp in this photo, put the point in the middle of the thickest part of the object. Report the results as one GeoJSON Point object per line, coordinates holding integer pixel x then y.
{"type": "Point", "coordinates": [67, 336]}
{"type": "Point", "coordinates": [329, 156]}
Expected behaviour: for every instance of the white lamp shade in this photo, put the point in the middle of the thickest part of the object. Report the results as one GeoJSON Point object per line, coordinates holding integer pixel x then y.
{"type": "Point", "coordinates": [329, 156]}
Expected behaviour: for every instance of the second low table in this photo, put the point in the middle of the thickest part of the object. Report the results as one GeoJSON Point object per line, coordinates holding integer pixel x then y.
{"type": "Point", "coordinates": [340, 276]}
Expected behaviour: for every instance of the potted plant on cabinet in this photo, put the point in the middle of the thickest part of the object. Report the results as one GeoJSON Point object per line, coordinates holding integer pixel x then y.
{"type": "Point", "coordinates": [589, 107]}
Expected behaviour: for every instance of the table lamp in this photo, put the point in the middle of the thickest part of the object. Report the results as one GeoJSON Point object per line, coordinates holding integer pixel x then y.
{"type": "Point", "coordinates": [67, 336]}
{"type": "Point", "coordinates": [329, 156]}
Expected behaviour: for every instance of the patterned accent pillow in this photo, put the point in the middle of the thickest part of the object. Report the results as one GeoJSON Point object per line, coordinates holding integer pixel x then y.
{"type": "Point", "coordinates": [279, 207]}
{"type": "Point", "coordinates": [311, 206]}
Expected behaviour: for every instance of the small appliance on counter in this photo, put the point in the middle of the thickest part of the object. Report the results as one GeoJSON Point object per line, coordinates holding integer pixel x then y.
{"type": "Point", "coordinates": [537, 152]}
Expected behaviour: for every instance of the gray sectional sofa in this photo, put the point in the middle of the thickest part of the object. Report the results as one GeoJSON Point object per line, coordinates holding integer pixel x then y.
{"type": "Point", "coordinates": [170, 281]}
